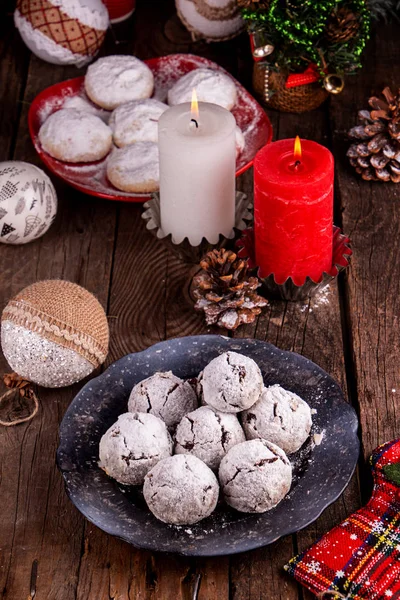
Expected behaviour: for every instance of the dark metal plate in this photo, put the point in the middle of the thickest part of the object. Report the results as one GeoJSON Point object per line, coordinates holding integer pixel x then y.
{"type": "Point", "coordinates": [320, 473]}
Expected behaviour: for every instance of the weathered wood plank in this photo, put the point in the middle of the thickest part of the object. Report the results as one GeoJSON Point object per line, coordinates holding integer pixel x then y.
{"type": "Point", "coordinates": [313, 329]}
{"type": "Point", "coordinates": [370, 217]}
{"type": "Point", "coordinates": [37, 521]}
{"type": "Point", "coordinates": [14, 61]}
{"type": "Point", "coordinates": [144, 270]}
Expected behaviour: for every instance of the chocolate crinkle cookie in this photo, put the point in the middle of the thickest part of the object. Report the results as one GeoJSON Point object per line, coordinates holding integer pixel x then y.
{"type": "Point", "coordinates": [181, 490]}
{"type": "Point", "coordinates": [208, 434]}
{"type": "Point", "coordinates": [231, 382]}
{"type": "Point", "coordinates": [280, 417]}
{"type": "Point", "coordinates": [165, 396]}
{"type": "Point", "coordinates": [255, 476]}
{"type": "Point", "coordinates": [132, 446]}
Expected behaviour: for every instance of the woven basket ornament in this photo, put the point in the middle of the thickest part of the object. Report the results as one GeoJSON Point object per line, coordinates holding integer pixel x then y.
{"type": "Point", "coordinates": [54, 322]}
{"type": "Point", "coordinates": [271, 87]}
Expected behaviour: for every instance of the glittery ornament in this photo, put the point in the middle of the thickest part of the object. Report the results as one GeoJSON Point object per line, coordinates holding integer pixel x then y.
{"type": "Point", "coordinates": [54, 333]}
{"type": "Point", "coordinates": [28, 202]}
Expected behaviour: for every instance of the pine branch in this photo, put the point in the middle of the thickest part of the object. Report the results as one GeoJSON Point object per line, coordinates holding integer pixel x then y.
{"type": "Point", "coordinates": [384, 9]}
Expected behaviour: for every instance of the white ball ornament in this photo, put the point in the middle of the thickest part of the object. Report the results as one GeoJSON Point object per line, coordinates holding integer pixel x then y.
{"type": "Point", "coordinates": [212, 20]}
{"type": "Point", "coordinates": [62, 32]}
{"type": "Point", "coordinates": [54, 333]}
{"type": "Point", "coordinates": [28, 202]}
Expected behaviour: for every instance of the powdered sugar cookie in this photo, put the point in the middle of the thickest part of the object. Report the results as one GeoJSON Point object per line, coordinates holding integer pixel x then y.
{"type": "Point", "coordinates": [115, 80]}
{"type": "Point", "coordinates": [74, 136]}
{"type": "Point", "coordinates": [83, 104]}
{"type": "Point", "coordinates": [135, 168]}
{"type": "Point", "coordinates": [211, 86]}
{"type": "Point", "coordinates": [136, 121]}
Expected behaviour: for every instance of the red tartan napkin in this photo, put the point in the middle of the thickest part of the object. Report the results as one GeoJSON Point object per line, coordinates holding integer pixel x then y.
{"type": "Point", "coordinates": [360, 558]}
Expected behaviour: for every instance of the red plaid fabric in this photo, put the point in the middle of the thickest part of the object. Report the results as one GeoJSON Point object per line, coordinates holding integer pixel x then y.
{"type": "Point", "coordinates": [360, 558]}
{"type": "Point", "coordinates": [59, 27]}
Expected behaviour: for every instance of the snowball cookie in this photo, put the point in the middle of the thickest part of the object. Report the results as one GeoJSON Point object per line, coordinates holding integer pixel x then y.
{"type": "Point", "coordinates": [255, 476]}
{"type": "Point", "coordinates": [208, 434]}
{"type": "Point", "coordinates": [136, 121]}
{"type": "Point", "coordinates": [181, 490]}
{"type": "Point", "coordinates": [135, 168]}
{"type": "Point", "coordinates": [165, 396]}
{"type": "Point", "coordinates": [279, 416]}
{"type": "Point", "coordinates": [132, 446]}
{"type": "Point", "coordinates": [74, 136]}
{"type": "Point", "coordinates": [114, 80]}
{"type": "Point", "coordinates": [231, 382]}
{"type": "Point", "coordinates": [211, 86]}
{"type": "Point", "coordinates": [83, 104]}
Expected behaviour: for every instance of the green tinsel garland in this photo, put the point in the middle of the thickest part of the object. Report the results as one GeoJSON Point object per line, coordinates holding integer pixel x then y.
{"type": "Point", "coordinates": [298, 33]}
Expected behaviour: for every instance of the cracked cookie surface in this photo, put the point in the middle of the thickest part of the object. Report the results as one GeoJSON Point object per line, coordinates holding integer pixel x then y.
{"type": "Point", "coordinates": [132, 446]}
{"type": "Point", "coordinates": [165, 396]}
{"type": "Point", "coordinates": [208, 434]}
{"type": "Point", "coordinates": [181, 490]}
{"type": "Point", "coordinates": [255, 476]}
{"type": "Point", "coordinates": [280, 417]}
{"type": "Point", "coordinates": [231, 382]}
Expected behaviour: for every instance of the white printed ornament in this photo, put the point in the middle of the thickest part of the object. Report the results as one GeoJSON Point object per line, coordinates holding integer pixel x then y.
{"type": "Point", "coordinates": [28, 202]}
{"type": "Point", "coordinates": [62, 32]}
{"type": "Point", "coordinates": [211, 20]}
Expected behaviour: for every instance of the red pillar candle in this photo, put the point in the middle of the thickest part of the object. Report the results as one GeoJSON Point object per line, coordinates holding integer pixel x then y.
{"type": "Point", "coordinates": [293, 210]}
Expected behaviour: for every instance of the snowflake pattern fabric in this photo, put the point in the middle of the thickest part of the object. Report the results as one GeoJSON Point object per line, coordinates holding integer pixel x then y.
{"type": "Point", "coordinates": [360, 558]}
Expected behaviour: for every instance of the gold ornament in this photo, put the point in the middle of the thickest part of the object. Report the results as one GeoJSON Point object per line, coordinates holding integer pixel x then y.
{"type": "Point", "coordinates": [334, 83]}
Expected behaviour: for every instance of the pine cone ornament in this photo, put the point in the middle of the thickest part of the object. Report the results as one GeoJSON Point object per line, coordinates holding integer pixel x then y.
{"type": "Point", "coordinates": [342, 26]}
{"type": "Point", "coordinates": [376, 154]}
{"type": "Point", "coordinates": [224, 291]}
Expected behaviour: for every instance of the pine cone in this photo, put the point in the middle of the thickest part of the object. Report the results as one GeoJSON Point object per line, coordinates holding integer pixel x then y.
{"type": "Point", "coordinates": [376, 156]}
{"type": "Point", "coordinates": [14, 381]}
{"type": "Point", "coordinates": [254, 4]}
{"type": "Point", "coordinates": [342, 25]}
{"type": "Point", "coordinates": [224, 292]}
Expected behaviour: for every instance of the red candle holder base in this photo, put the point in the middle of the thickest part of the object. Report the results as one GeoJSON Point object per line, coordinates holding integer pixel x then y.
{"type": "Point", "coordinates": [185, 251]}
{"type": "Point", "coordinates": [289, 290]}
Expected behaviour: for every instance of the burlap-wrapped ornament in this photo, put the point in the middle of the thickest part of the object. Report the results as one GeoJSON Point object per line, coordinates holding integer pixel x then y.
{"type": "Point", "coordinates": [54, 333]}
{"type": "Point", "coordinates": [211, 20]}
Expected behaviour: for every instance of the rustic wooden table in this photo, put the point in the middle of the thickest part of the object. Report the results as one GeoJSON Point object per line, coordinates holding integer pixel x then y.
{"type": "Point", "coordinates": [351, 331]}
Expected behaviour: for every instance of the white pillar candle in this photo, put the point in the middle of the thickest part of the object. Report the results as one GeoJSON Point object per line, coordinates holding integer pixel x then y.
{"type": "Point", "coordinates": [197, 173]}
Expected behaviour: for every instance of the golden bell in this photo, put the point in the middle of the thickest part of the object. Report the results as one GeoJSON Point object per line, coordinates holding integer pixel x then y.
{"type": "Point", "coordinates": [334, 83]}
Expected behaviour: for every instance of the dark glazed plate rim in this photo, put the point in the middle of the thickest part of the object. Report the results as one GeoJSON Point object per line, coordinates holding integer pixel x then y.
{"type": "Point", "coordinates": [328, 469]}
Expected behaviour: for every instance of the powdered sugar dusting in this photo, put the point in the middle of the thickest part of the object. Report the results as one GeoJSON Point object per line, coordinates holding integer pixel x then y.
{"type": "Point", "coordinates": [134, 166]}
{"type": "Point", "coordinates": [92, 177]}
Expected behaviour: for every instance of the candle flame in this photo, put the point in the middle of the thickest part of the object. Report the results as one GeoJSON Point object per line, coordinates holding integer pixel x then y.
{"type": "Point", "coordinates": [297, 148]}
{"type": "Point", "coordinates": [195, 105]}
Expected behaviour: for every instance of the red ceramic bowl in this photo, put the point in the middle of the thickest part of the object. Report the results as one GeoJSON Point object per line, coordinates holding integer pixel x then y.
{"type": "Point", "coordinates": [91, 178]}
